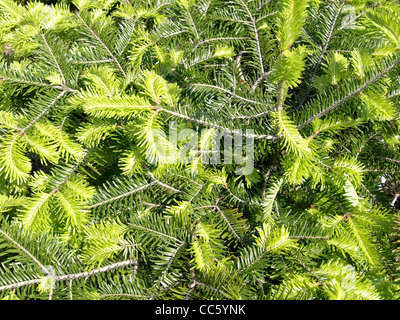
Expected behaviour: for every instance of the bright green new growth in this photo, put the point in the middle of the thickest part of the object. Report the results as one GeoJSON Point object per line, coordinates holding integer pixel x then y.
{"type": "Point", "coordinates": [90, 204]}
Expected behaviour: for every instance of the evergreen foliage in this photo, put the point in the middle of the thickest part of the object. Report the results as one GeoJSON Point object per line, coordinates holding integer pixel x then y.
{"type": "Point", "coordinates": [90, 206]}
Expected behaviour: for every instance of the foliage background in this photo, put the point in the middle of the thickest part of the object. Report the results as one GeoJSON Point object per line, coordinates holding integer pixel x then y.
{"type": "Point", "coordinates": [84, 215]}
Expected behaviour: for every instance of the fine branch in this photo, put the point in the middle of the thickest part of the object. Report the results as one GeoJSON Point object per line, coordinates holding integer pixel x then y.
{"type": "Point", "coordinates": [73, 276]}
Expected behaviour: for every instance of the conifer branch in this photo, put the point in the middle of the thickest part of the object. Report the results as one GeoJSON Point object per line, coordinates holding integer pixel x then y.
{"type": "Point", "coordinates": [254, 116]}
{"type": "Point", "coordinates": [102, 44]}
{"type": "Point", "coordinates": [34, 121]}
{"type": "Point", "coordinates": [171, 260]}
{"type": "Point", "coordinates": [261, 255]}
{"type": "Point", "coordinates": [241, 200]}
{"type": "Point", "coordinates": [71, 171]}
{"type": "Point", "coordinates": [216, 126]}
{"type": "Point", "coordinates": [307, 268]}
{"type": "Point", "coordinates": [363, 145]}
{"type": "Point", "coordinates": [117, 295]}
{"type": "Point", "coordinates": [321, 56]}
{"type": "Point", "coordinates": [37, 84]}
{"type": "Point", "coordinates": [310, 237]}
{"type": "Point", "coordinates": [219, 39]}
{"type": "Point", "coordinates": [228, 223]}
{"type": "Point", "coordinates": [192, 23]}
{"type": "Point", "coordinates": [266, 177]}
{"type": "Point", "coordinates": [266, 16]}
{"type": "Point", "coordinates": [394, 94]}
{"type": "Point", "coordinates": [24, 250]}
{"type": "Point", "coordinates": [70, 290]}
{"type": "Point", "coordinates": [95, 61]}
{"type": "Point", "coordinates": [281, 90]}
{"type": "Point", "coordinates": [73, 276]}
{"type": "Point", "coordinates": [225, 91]}
{"type": "Point", "coordinates": [197, 283]}
{"type": "Point", "coordinates": [256, 38]}
{"type": "Point", "coordinates": [260, 79]}
{"type": "Point", "coordinates": [54, 59]}
{"type": "Point", "coordinates": [155, 180]}
{"type": "Point", "coordinates": [202, 230]}
{"type": "Point", "coordinates": [127, 194]}
{"type": "Point", "coordinates": [388, 159]}
{"type": "Point", "coordinates": [351, 95]}
{"type": "Point", "coordinates": [136, 226]}
{"type": "Point", "coordinates": [238, 66]}
{"type": "Point", "coordinates": [263, 4]}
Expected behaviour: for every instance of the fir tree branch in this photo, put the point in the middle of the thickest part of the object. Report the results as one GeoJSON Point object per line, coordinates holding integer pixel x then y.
{"type": "Point", "coordinates": [71, 171]}
{"type": "Point", "coordinates": [192, 23]}
{"type": "Point", "coordinates": [388, 159]}
{"type": "Point", "coordinates": [95, 61]}
{"type": "Point", "coordinates": [266, 178]}
{"type": "Point", "coordinates": [216, 126]}
{"type": "Point", "coordinates": [200, 61]}
{"type": "Point", "coordinates": [30, 255]}
{"type": "Point", "coordinates": [257, 41]}
{"type": "Point", "coordinates": [281, 91]}
{"type": "Point", "coordinates": [192, 286]}
{"type": "Point", "coordinates": [197, 283]}
{"type": "Point", "coordinates": [122, 195]}
{"type": "Point", "coordinates": [128, 295]}
{"type": "Point", "coordinates": [260, 79]}
{"type": "Point", "coordinates": [73, 276]}
{"type": "Point", "coordinates": [238, 66]}
{"type": "Point", "coordinates": [307, 268]}
{"type": "Point", "coordinates": [263, 5]}
{"type": "Point", "coordinates": [54, 59]}
{"type": "Point", "coordinates": [260, 256]}
{"type": "Point", "coordinates": [155, 180]}
{"type": "Point", "coordinates": [258, 115]}
{"type": "Point", "coordinates": [170, 35]}
{"type": "Point", "coordinates": [196, 222]}
{"type": "Point", "coordinates": [359, 239]}
{"type": "Point", "coordinates": [228, 223]}
{"type": "Point", "coordinates": [225, 91]}
{"type": "Point", "coordinates": [266, 16]}
{"type": "Point", "coordinates": [213, 65]}
{"type": "Point", "coordinates": [369, 192]}
{"type": "Point", "coordinates": [354, 93]}
{"type": "Point", "coordinates": [165, 271]}
{"type": "Point", "coordinates": [241, 200]}
{"type": "Point", "coordinates": [22, 131]}
{"type": "Point", "coordinates": [162, 184]}
{"type": "Point", "coordinates": [219, 39]}
{"type": "Point", "coordinates": [363, 145]}
{"type": "Point", "coordinates": [310, 237]}
{"type": "Point", "coordinates": [162, 290]}
{"type": "Point", "coordinates": [102, 44]}
{"type": "Point", "coordinates": [324, 49]}
{"type": "Point", "coordinates": [37, 84]}
{"type": "Point", "coordinates": [70, 290]}
{"type": "Point", "coordinates": [164, 235]}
